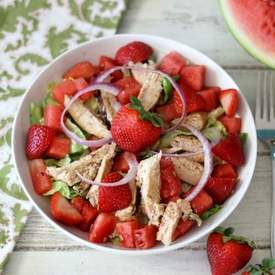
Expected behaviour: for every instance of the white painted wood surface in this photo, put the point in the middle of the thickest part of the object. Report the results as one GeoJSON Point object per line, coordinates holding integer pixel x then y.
{"type": "Point", "coordinates": [42, 250]}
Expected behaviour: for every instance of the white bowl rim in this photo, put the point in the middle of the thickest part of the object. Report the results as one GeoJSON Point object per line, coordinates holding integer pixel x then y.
{"type": "Point", "coordinates": [161, 249]}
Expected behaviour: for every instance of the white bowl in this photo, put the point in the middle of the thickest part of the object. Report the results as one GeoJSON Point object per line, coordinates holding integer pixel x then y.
{"type": "Point", "coordinates": [107, 46]}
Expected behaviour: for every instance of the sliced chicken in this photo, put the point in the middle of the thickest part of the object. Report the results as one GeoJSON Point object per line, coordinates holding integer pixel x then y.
{"type": "Point", "coordinates": [128, 212]}
{"type": "Point", "coordinates": [104, 169]}
{"type": "Point", "coordinates": [151, 86]}
{"type": "Point", "coordinates": [173, 212]}
{"type": "Point", "coordinates": [148, 178]}
{"type": "Point", "coordinates": [196, 120]}
{"type": "Point", "coordinates": [110, 104]}
{"type": "Point", "coordinates": [87, 166]}
{"type": "Point", "coordinates": [141, 75]}
{"type": "Point", "coordinates": [187, 170]}
{"type": "Point", "coordinates": [87, 120]}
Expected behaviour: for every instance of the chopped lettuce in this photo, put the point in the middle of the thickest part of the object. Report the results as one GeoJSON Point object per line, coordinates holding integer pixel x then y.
{"type": "Point", "coordinates": [243, 138]}
{"type": "Point", "coordinates": [59, 163]}
{"type": "Point", "coordinates": [212, 211]}
{"type": "Point", "coordinates": [62, 188]}
{"type": "Point", "coordinates": [115, 240]}
{"type": "Point", "coordinates": [75, 147]}
{"type": "Point", "coordinates": [35, 114]}
{"type": "Point", "coordinates": [214, 129]}
{"type": "Point", "coordinates": [93, 105]}
{"type": "Point", "coordinates": [48, 100]}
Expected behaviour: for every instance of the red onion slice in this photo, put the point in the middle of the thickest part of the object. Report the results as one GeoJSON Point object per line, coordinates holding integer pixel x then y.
{"type": "Point", "coordinates": [133, 166]}
{"type": "Point", "coordinates": [108, 88]}
{"type": "Point", "coordinates": [208, 162]}
{"type": "Point", "coordinates": [175, 85]}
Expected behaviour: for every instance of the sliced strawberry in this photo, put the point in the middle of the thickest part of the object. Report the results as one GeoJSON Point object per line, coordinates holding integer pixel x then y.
{"type": "Point", "coordinates": [128, 87]}
{"type": "Point", "coordinates": [40, 179]}
{"type": "Point", "coordinates": [145, 237]}
{"type": "Point", "coordinates": [52, 116]}
{"type": "Point", "coordinates": [126, 231]}
{"type": "Point", "coordinates": [172, 109]}
{"type": "Point", "coordinates": [220, 189]}
{"type": "Point", "coordinates": [65, 87]}
{"type": "Point", "coordinates": [170, 183]}
{"type": "Point", "coordinates": [63, 211]}
{"type": "Point", "coordinates": [194, 76]}
{"type": "Point", "coordinates": [233, 125]}
{"type": "Point", "coordinates": [135, 51]}
{"type": "Point", "coordinates": [103, 226]}
{"type": "Point", "coordinates": [211, 98]}
{"type": "Point", "coordinates": [59, 147]}
{"type": "Point", "coordinates": [106, 63]}
{"type": "Point", "coordinates": [230, 149]}
{"type": "Point", "coordinates": [120, 163]}
{"type": "Point", "coordinates": [172, 63]}
{"type": "Point", "coordinates": [183, 227]}
{"type": "Point", "coordinates": [229, 101]}
{"type": "Point", "coordinates": [194, 101]}
{"type": "Point", "coordinates": [201, 203]}
{"type": "Point", "coordinates": [83, 69]}
{"type": "Point", "coordinates": [224, 170]}
{"type": "Point", "coordinates": [78, 203]}
{"type": "Point", "coordinates": [39, 139]}
{"type": "Point", "coordinates": [111, 199]}
{"type": "Point", "coordinates": [88, 214]}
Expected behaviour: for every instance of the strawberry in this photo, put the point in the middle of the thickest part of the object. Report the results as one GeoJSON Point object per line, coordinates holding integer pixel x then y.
{"type": "Point", "coordinates": [261, 269]}
{"type": "Point", "coordinates": [59, 147]}
{"type": "Point", "coordinates": [39, 138]}
{"type": "Point", "coordinates": [220, 189]}
{"type": "Point", "coordinates": [63, 211]}
{"type": "Point", "coordinates": [183, 227]}
{"type": "Point", "coordinates": [126, 231]}
{"type": "Point", "coordinates": [230, 149]}
{"type": "Point", "coordinates": [128, 87]}
{"type": "Point", "coordinates": [229, 101]}
{"type": "Point", "coordinates": [172, 109]}
{"type": "Point", "coordinates": [227, 254]}
{"type": "Point", "coordinates": [111, 199]}
{"type": "Point", "coordinates": [172, 63]}
{"type": "Point", "coordinates": [83, 69]}
{"type": "Point", "coordinates": [170, 183]}
{"type": "Point", "coordinates": [224, 170]}
{"type": "Point", "coordinates": [194, 76]}
{"type": "Point", "coordinates": [194, 101]}
{"type": "Point", "coordinates": [233, 125]}
{"type": "Point", "coordinates": [211, 98]}
{"type": "Point", "coordinates": [120, 163]}
{"type": "Point", "coordinates": [134, 129]}
{"type": "Point", "coordinates": [66, 87]}
{"type": "Point", "coordinates": [40, 179]}
{"type": "Point", "coordinates": [135, 51]}
{"type": "Point", "coordinates": [201, 203]}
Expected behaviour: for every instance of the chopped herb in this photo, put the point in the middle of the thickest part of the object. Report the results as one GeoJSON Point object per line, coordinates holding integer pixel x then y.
{"type": "Point", "coordinates": [243, 138]}
{"type": "Point", "coordinates": [206, 215]}
{"type": "Point", "coordinates": [167, 89]}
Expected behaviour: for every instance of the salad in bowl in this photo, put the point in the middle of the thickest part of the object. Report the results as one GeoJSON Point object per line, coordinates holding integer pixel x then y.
{"type": "Point", "coordinates": [133, 151]}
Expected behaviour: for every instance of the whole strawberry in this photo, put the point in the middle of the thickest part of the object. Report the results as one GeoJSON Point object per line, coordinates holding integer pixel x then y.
{"type": "Point", "coordinates": [261, 269]}
{"type": "Point", "coordinates": [39, 138]}
{"type": "Point", "coordinates": [136, 51]}
{"type": "Point", "coordinates": [111, 199]}
{"type": "Point", "coordinates": [134, 129]}
{"type": "Point", "coordinates": [227, 253]}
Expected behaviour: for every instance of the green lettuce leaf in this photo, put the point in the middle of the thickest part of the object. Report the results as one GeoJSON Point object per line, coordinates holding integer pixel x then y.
{"type": "Point", "coordinates": [93, 105]}
{"type": "Point", "coordinates": [62, 188]}
{"type": "Point", "coordinates": [35, 114]}
{"type": "Point", "coordinates": [59, 163]}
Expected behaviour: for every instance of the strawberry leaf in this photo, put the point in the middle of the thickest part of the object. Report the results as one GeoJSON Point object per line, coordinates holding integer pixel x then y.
{"type": "Point", "coordinates": [154, 118]}
{"type": "Point", "coordinates": [268, 263]}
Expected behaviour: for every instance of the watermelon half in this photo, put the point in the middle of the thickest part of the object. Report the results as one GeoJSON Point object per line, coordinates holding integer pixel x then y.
{"type": "Point", "coordinates": [252, 23]}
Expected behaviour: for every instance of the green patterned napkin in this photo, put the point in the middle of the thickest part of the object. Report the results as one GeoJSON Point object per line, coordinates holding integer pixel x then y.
{"type": "Point", "coordinates": [32, 33]}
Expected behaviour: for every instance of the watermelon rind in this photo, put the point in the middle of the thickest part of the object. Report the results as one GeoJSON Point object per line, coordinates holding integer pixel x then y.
{"type": "Point", "coordinates": [243, 39]}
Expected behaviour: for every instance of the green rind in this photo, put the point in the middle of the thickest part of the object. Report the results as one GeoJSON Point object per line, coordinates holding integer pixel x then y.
{"type": "Point", "coordinates": [244, 41]}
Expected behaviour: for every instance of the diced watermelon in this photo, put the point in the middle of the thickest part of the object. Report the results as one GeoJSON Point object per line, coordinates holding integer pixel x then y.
{"type": "Point", "coordinates": [183, 227]}
{"type": "Point", "coordinates": [172, 63]}
{"type": "Point", "coordinates": [59, 148]}
{"type": "Point", "coordinates": [106, 63]}
{"type": "Point", "coordinates": [52, 116]}
{"type": "Point", "coordinates": [83, 69]}
{"type": "Point", "coordinates": [65, 87]}
{"type": "Point", "coordinates": [224, 170]}
{"type": "Point", "coordinates": [194, 76]}
{"type": "Point", "coordinates": [194, 101]}
{"type": "Point", "coordinates": [211, 98]}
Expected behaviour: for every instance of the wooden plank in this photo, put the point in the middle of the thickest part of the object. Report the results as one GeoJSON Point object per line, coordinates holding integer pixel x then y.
{"type": "Point", "coordinates": [194, 23]}
{"type": "Point", "coordinates": [189, 262]}
{"type": "Point", "coordinates": [39, 235]}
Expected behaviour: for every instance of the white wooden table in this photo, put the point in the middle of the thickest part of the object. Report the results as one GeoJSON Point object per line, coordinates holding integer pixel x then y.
{"type": "Point", "coordinates": [42, 250]}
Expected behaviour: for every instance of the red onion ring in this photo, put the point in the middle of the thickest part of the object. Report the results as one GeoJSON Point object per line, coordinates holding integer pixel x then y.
{"type": "Point", "coordinates": [90, 143]}
{"type": "Point", "coordinates": [208, 162]}
{"type": "Point", "coordinates": [133, 167]}
{"type": "Point", "coordinates": [175, 85]}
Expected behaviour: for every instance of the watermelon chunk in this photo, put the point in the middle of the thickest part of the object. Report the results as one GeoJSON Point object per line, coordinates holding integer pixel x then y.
{"type": "Point", "coordinates": [194, 76]}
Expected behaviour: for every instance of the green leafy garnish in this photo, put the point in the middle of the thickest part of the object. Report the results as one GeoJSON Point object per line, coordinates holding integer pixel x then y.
{"type": "Point", "coordinates": [115, 240]}
{"type": "Point", "coordinates": [93, 105]}
{"type": "Point", "coordinates": [262, 269]}
{"type": "Point", "coordinates": [206, 215]}
{"type": "Point", "coordinates": [243, 138]}
{"type": "Point", "coordinates": [35, 114]}
{"type": "Point", "coordinates": [146, 154]}
{"type": "Point", "coordinates": [59, 163]}
{"type": "Point", "coordinates": [154, 118]}
{"type": "Point", "coordinates": [167, 89]}
{"type": "Point", "coordinates": [62, 188]}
